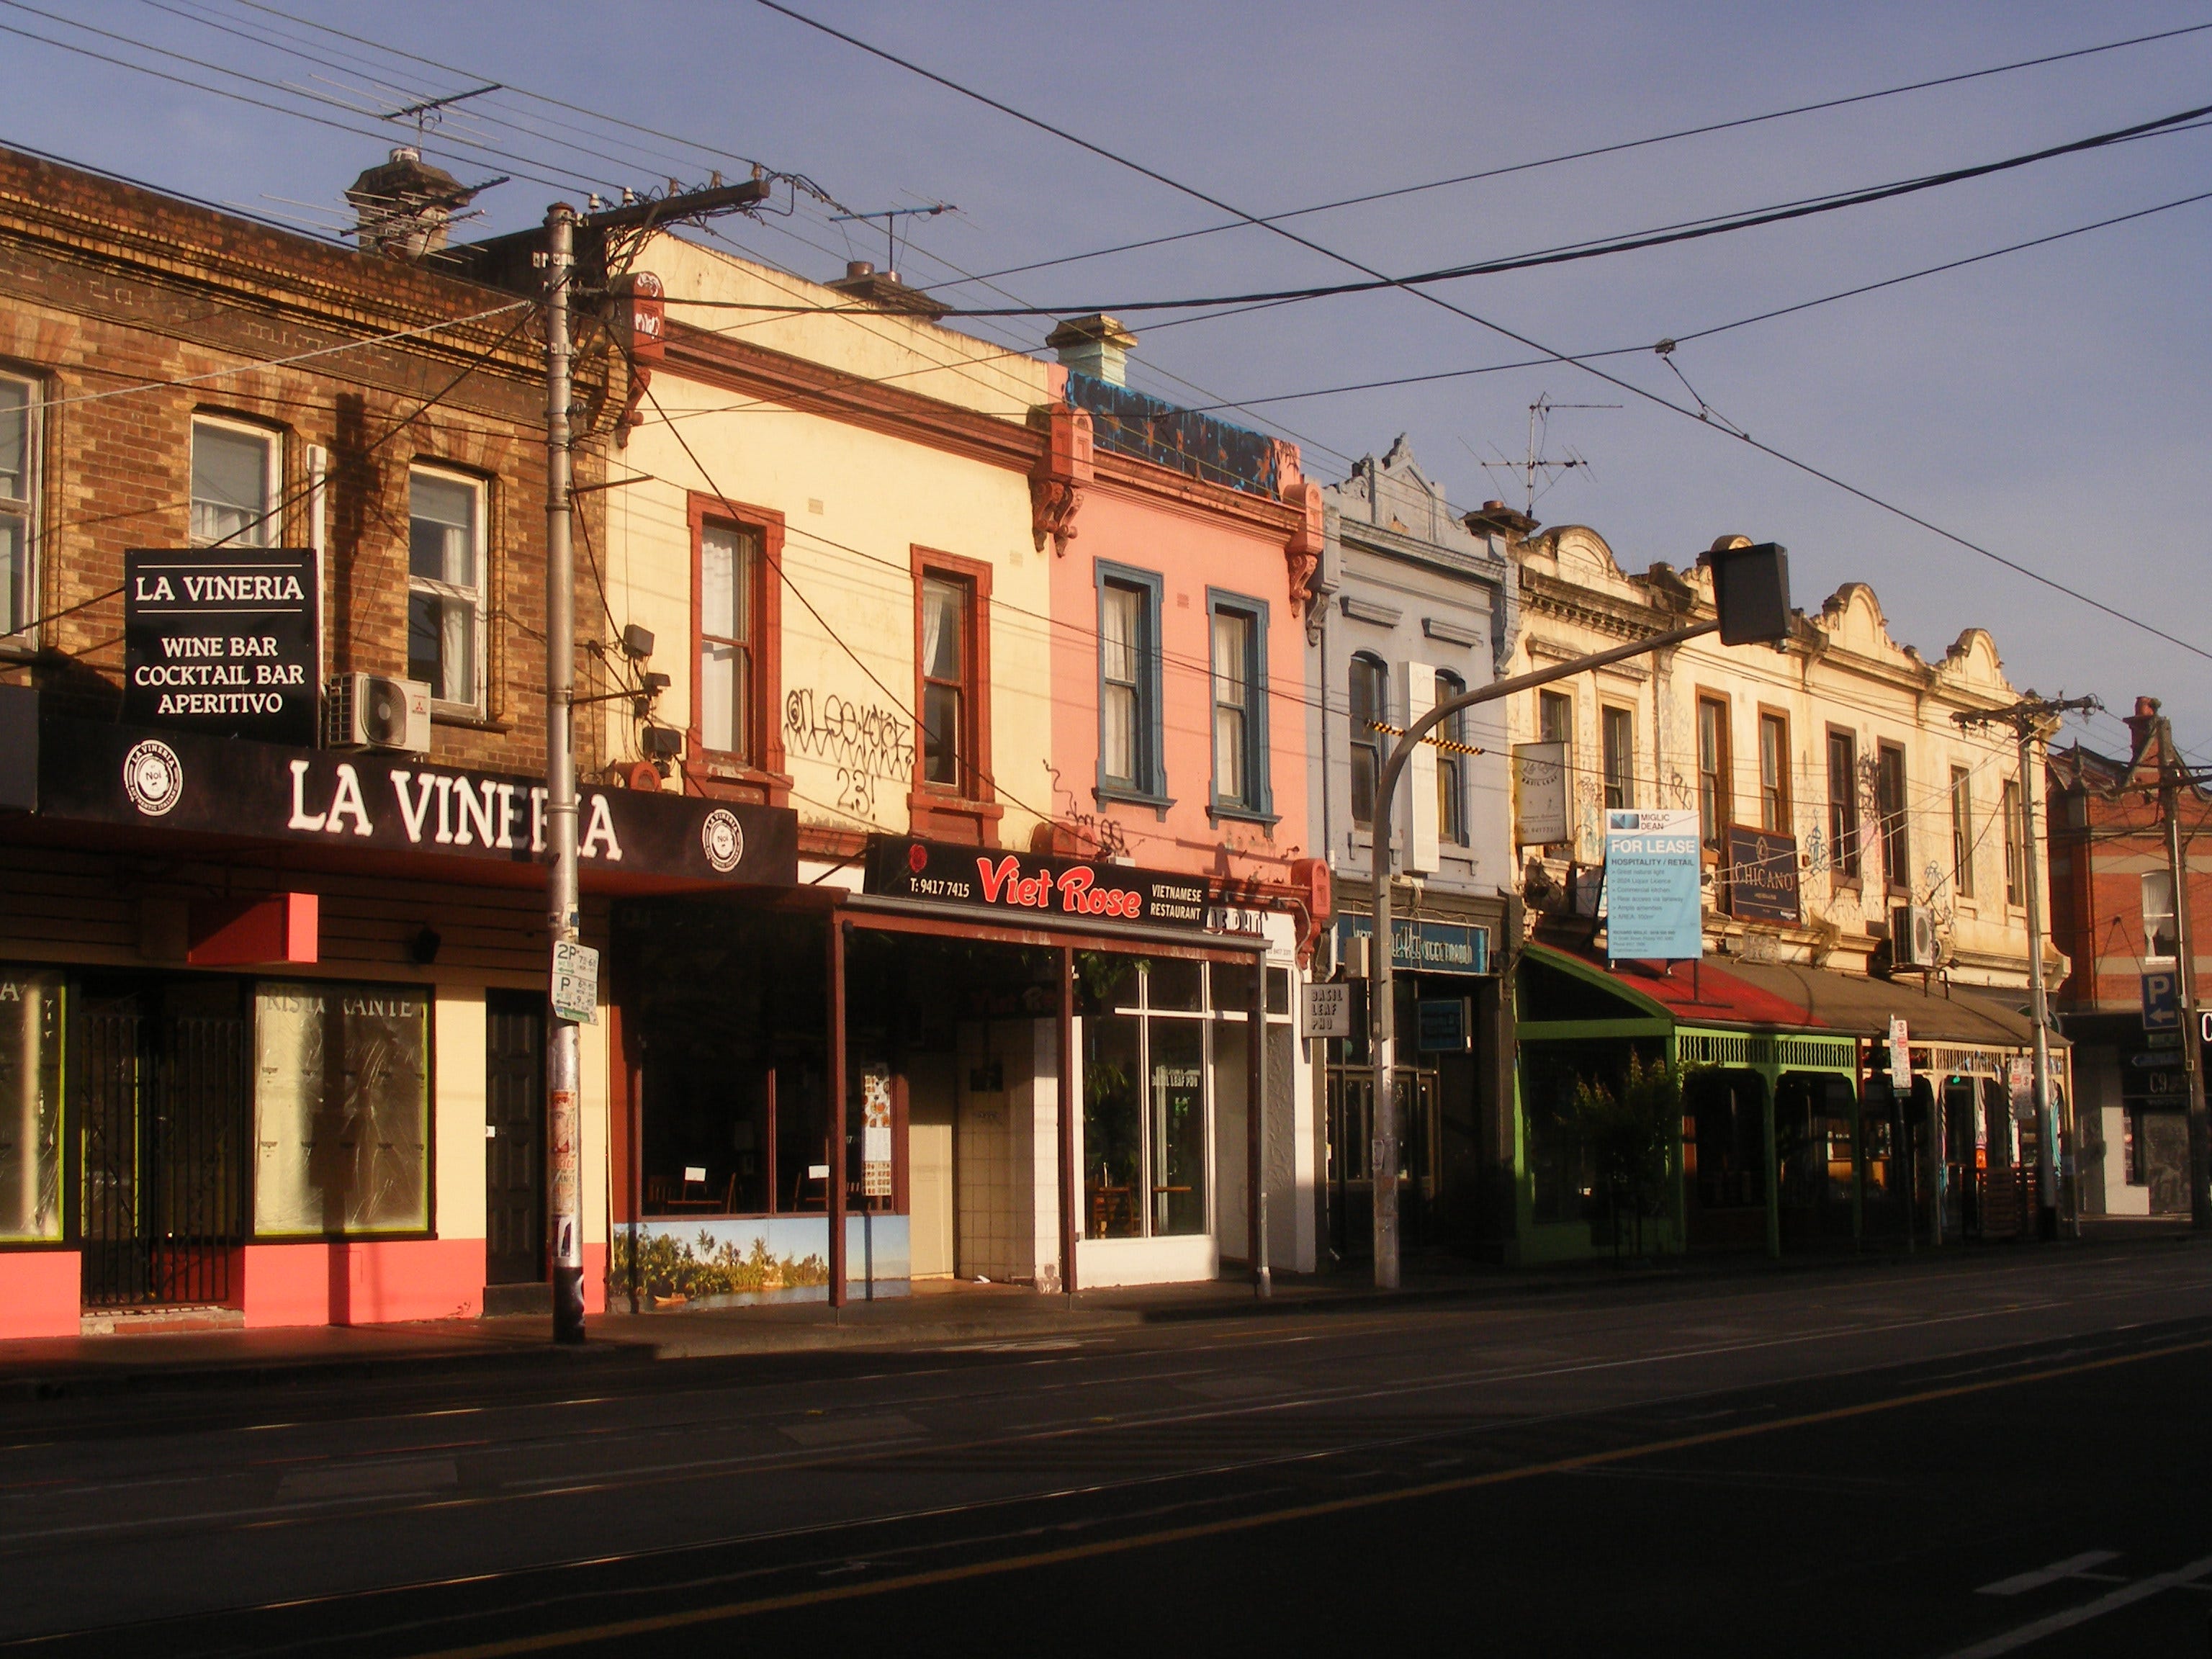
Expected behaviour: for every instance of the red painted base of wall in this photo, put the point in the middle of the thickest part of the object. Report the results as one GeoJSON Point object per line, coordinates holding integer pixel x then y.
{"type": "Point", "coordinates": [368, 1282]}
{"type": "Point", "coordinates": [595, 1279]}
{"type": "Point", "coordinates": [40, 1292]}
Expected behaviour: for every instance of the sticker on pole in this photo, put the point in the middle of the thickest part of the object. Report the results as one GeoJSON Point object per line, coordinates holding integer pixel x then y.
{"type": "Point", "coordinates": [575, 983]}
{"type": "Point", "coordinates": [1900, 1055]}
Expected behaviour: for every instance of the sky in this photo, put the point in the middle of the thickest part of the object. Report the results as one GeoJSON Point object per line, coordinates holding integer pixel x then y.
{"type": "Point", "coordinates": [2049, 405]}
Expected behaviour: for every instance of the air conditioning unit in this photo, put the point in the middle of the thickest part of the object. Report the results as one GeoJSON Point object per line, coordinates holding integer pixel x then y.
{"type": "Point", "coordinates": [370, 711]}
{"type": "Point", "coordinates": [1911, 936]}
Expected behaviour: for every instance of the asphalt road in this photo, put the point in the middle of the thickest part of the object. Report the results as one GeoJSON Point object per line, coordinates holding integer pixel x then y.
{"type": "Point", "coordinates": [2005, 1454]}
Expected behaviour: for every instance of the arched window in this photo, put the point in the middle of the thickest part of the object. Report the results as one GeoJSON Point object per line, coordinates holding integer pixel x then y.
{"type": "Point", "coordinates": [1451, 763]}
{"type": "Point", "coordinates": [1371, 704]}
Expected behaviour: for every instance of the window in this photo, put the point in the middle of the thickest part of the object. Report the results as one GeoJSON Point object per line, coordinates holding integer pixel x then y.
{"type": "Point", "coordinates": [1240, 706]}
{"type": "Point", "coordinates": [948, 683]}
{"type": "Point", "coordinates": [445, 586]}
{"type": "Point", "coordinates": [1843, 805]}
{"type": "Point", "coordinates": [1371, 705]}
{"type": "Point", "coordinates": [1962, 831]}
{"type": "Point", "coordinates": [341, 1108]}
{"type": "Point", "coordinates": [728, 694]}
{"type": "Point", "coordinates": [2161, 933]}
{"type": "Point", "coordinates": [1889, 799]}
{"type": "Point", "coordinates": [1617, 738]}
{"type": "Point", "coordinates": [1451, 764]}
{"type": "Point", "coordinates": [31, 1027]}
{"type": "Point", "coordinates": [1774, 774]}
{"type": "Point", "coordinates": [16, 483]}
{"type": "Point", "coordinates": [1129, 758]}
{"type": "Point", "coordinates": [1715, 807]}
{"type": "Point", "coordinates": [2016, 844]}
{"type": "Point", "coordinates": [233, 485]}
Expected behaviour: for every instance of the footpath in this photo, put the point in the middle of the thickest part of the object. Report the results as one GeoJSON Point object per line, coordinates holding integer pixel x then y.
{"type": "Point", "coordinates": [942, 1316]}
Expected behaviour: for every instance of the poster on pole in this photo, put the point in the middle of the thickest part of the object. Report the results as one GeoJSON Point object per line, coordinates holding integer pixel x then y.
{"type": "Point", "coordinates": [1652, 887]}
{"type": "Point", "coordinates": [1540, 794]}
{"type": "Point", "coordinates": [1900, 1056]}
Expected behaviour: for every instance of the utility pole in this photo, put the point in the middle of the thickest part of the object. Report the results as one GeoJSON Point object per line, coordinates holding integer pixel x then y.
{"type": "Point", "coordinates": [563, 1069]}
{"type": "Point", "coordinates": [2171, 775]}
{"type": "Point", "coordinates": [2033, 720]}
{"type": "Point", "coordinates": [1751, 588]}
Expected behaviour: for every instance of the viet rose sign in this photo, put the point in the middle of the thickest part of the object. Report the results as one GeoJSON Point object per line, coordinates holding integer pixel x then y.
{"type": "Point", "coordinates": [934, 872]}
{"type": "Point", "coordinates": [1077, 890]}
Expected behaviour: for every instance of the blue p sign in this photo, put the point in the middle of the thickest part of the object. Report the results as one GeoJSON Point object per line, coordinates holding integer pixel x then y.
{"type": "Point", "coordinates": [2162, 1000]}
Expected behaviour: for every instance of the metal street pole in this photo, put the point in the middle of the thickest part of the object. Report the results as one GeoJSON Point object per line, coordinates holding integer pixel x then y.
{"type": "Point", "coordinates": [2037, 1006]}
{"type": "Point", "coordinates": [2169, 772]}
{"type": "Point", "coordinates": [1383, 1155]}
{"type": "Point", "coordinates": [563, 1066]}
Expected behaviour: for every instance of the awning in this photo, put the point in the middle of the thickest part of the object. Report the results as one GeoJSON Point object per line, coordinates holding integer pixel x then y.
{"type": "Point", "coordinates": [1686, 993]}
{"type": "Point", "coordinates": [1856, 1005]}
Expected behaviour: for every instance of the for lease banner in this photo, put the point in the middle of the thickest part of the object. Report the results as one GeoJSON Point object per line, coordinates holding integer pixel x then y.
{"type": "Point", "coordinates": [1652, 887]}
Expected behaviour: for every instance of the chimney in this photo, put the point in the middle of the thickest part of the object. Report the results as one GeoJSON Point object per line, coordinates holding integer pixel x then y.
{"type": "Point", "coordinates": [1496, 519]}
{"type": "Point", "coordinates": [2143, 726]}
{"type": "Point", "coordinates": [404, 207]}
{"type": "Point", "coordinates": [1096, 345]}
{"type": "Point", "coordinates": [883, 289]}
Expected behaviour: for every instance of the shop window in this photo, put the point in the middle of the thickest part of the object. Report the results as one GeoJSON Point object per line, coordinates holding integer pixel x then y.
{"type": "Point", "coordinates": [2015, 853]}
{"type": "Point", "coordinates": [1451, 764]}
{"type": "Point", "coordinates": [1113, 1126]}
{"type": "Point", "coordinates": [1129, 746]}
{"type": "Point", "coordinates": [1239, 630]}
{"type": "Point", "coordinates": [1716, 804]}
{"type": "Point", "coordinates": [1617, 738]}
{"type": "Point", "coordinates": [1774, 774]}
{"type": "Point", "coordinates": [446, 587]}
{"type": "Point", "coordinates": [1962, 831]}
{"type": "Point", "coordinates": [31, 1026]}
{"type": "Point", "coordinates": [2160, 928]}
{"type": "Point", "coordinates": [18, 514]}
{"type": "Point", "coordinates": [235, 473]}
{"type": "Point", "coordinates": [1175, 1105]}
{"type": "Point", "coordinates": [1895, 831]}
{"type": "Point", "coordinates": [1370, 703]}
{"type": "Point", "coordinates": [1843, 805]}
{"type": "Point", "coordinates": [341, 1109]}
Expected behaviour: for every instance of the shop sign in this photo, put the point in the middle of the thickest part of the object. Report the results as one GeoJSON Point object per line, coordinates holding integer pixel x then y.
{"type": "Point", "coordinates": [222, 640]}
{"type": "Point", "coordinates": [1444, 1025]}
{"type": "Point", "coordinates": [1328, 1011]}
{"type": "Point", "coordinates": [184, 781]}
{"type": "Point", "coordinates": [2020, 1083]}
{"type": "Point", "coordinates": [1762, 875]}
{"type": "Point", "coordinates": [1653, 877]}
{"type": "Point", "coordinates": [1022, 885]}
{"type": "Point", "coordinates": [1423, 947]}
{"type": "Point", "coordinates": [2204, 1025]}
{"type": "Point", "coordinates": [1900, 1056]}
{"type": "Point", "coordinates": [876, 1132]}
{"type": "Point", "coordinates": [575, 983]}
{"type": "Point", "coordinates": [2161, 999]}
{"type": "Point", "coordinates": [1540, 794]}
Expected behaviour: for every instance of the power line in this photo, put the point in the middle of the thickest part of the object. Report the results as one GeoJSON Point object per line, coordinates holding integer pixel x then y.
{"type": "Point", "coordinates": [1377, 277]}
{"type": "Point", "coordinates": [1273, 218]}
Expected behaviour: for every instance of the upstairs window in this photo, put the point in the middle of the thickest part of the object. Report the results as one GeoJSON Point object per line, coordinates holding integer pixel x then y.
{"type": "Point", "coordinates": [1370, 702]}
{"type": "Point", "coordinates": [17, 481]}
{"type": "Point", "coordinates": [2016, 844]}
{"type": "Point", "coordinates": [1716, 805]}
{"type": "Point", "coordinates": [445, 586]}
{"type": "Point", "coordinates": [728, 699]}
{"type": "Point", "coordinates": [1962, 831]}
{"type": "Point", "coordinates": [1844, 803]}
{"type": "Point", "coordinates": [1129, 762]}
{"type": "Point", "coordinates": [233, 485]}
{"type": "Point", "coordinates": [1240, 706]}
{"type": "Point", "coordinates": [1774, 774]}
{"type": "Point", "coordinates": [2161, 935]}
{"type": "Point", "coordinates": [948, 683]}
{"type": "Point", "coordinates": [1617, 738]}
{"type": "Point", "coordinates": [1451, 764]}
{"type": "Point", "coordinates": [1896, 837]}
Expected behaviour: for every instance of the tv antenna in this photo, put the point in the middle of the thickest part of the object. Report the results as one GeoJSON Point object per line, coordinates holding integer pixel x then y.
{"type": "Point", "coordinates": [891, 216]}
{"type": "Point", "coordinates": [427, 114]}
{"type": "Point", "coordinates": [1537, 465]}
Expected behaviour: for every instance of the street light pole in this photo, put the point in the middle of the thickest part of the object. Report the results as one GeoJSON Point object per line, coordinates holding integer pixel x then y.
{"type": "Point", "coordinates": [563, 1068]}
{"type": "Point", "coordinates": [1382, 1012]}
{"type": "Point", "coordinates": [2171, 773]}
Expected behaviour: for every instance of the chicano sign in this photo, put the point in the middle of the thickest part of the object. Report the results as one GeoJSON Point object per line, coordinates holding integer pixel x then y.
{"type": "Point", "coordinates": [1762, 875]}
{"type": "Point", "coordinates": [938, 872]}
{"type": "Point", "coordinates": [183, 781]}
{"type": "Point", "coordinates": [222, 640]}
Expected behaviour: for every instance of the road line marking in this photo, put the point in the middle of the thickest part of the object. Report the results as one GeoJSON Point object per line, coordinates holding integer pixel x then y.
{"type": "Point", "coordinates": [692, 1617]}
{"type": "Point", "coordinates": [2142, 1590]}
{"type": "Point", "coordinates": [2020, 1583]}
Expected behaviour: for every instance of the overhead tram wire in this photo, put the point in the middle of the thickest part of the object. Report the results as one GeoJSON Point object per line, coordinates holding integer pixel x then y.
{"type": "Point", "coordinates": [1806, 467]}
{"type": "Point", "coordinates": [1270, 220]}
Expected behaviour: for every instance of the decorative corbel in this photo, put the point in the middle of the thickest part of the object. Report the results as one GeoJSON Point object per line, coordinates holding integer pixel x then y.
{"type": "Point", "coordinates": [1302, 551]}
{"type": "Point", "coordinates": [1062, 471]}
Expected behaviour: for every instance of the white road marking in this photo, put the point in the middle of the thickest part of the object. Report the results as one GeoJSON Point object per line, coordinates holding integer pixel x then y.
{"type": "Point", "coordinates": [2020, 1583]}
{"type": "Point", "coordinates": [2126, 1597]}
{"type": "Point", "coordinates": [370, 1479]}
{"type": "Point", "coordinates": [853, 1431]}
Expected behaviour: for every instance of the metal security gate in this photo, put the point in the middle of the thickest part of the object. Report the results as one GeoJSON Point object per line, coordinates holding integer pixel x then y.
{"type": "Point", "coordinates": [161, 1113]}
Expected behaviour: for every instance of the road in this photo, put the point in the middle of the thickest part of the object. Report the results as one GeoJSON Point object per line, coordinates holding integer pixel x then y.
{"type": "Point", "coordinates": [1995, 1453]}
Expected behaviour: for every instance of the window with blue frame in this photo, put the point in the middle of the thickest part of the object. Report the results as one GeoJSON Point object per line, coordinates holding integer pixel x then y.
{"type": "Point", "coordinates": [1238, 629]}
{"type": "Point", "coordinates": [1451, 763]}
{"type": "Point", "coordinates": [1129, 747]}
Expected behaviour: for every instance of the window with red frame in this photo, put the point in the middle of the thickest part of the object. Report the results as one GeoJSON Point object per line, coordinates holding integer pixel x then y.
{"type": "Point", "coordinates": [728, 690]}
{"type": "Point", "coordinates": [948, 683]}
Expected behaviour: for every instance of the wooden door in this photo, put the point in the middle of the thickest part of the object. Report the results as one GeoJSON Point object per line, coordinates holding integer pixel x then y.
{"type": "Point", "coordinates": [514, 1137]}
{"type": "Point", "coordinates": [930, 1103]}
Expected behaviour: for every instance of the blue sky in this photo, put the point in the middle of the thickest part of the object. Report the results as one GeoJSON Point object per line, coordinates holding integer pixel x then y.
{"type": "Point", "coordinates": [2051, 404]}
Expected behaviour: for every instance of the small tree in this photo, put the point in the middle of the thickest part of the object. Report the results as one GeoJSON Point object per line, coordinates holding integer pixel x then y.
{"type": "Point", "coordinates": [1630, 1136]}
